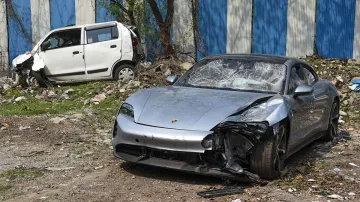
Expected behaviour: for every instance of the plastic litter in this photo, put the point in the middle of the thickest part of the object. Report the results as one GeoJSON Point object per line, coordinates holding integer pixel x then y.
{"type": "Point", "coordinates": [353, 164]}
{"type": "Point", "coordinates": [337, 170]}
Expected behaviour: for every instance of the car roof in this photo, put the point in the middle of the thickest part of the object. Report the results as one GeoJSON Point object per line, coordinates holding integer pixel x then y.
{"type": "Point", "coordinates": [81, 26]}
{"type": "Point", "coordinates": [255, 57]}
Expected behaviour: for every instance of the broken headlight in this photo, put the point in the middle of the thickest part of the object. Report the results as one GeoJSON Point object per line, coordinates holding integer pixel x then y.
{"type": "Point", "coordinates": [257, 126]}
{"type": "Point", "coordinates": [127, 110]}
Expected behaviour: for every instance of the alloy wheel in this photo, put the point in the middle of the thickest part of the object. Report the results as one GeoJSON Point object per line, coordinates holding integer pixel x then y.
{"type": "Point", "coordinates": [334, 120]}
{"type": "Point", "coordinates": [280, 149]}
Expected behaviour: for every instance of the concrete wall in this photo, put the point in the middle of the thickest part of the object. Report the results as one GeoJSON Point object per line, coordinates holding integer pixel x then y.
{"type": "Point", "coordinates": [62, 13]}
{"type": "Point", "coordinates": [239, 26]}
{"type": "Point", "coordinates": [4, 57]}
{"type": "Point", "coordinates": [40, 19]}
{"type": "Point", "coordinates": [183, 36]}
{"type": "Point", "coordinates": [85, 11]}
{"type": "Point", "coordinates": [300, 28]}
{"type": "Point", "coordinates": [356, 48]}
{"type": "Point", "coordinates": [19, 28]}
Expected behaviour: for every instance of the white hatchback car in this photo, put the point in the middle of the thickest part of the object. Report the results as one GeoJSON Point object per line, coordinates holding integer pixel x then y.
{"type": "Point", "coordinates": [80, 53]}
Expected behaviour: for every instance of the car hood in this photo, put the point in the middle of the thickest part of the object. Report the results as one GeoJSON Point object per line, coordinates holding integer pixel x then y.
{"type": "Point", "coordinates": [189, 108]}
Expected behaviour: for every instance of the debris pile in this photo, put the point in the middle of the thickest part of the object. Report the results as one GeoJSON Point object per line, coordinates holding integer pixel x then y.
{"type": "Point", "coordinates": [341, 73]}
{"type": "Point", "coordinates": [155, 74]}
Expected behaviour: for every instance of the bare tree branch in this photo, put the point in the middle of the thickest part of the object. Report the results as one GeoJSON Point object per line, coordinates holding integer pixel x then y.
{"type": "Point", "coordinates": [120, 5]}
{"type": "Point", "coordinates": [170, 13]}
{"type": "Point", "coordinates": [156, 12]}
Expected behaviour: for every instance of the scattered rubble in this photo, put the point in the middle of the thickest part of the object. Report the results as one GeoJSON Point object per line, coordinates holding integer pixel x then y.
{"type": "Point", "coordinates": [24, 127]}
{"type": "Point", "coordinates": [98, 98]}
{"type": "Point", "coordinates": [18, 99]}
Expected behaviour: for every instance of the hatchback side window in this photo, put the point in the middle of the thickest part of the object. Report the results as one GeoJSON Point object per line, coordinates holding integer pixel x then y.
{"type": "Point", "coordinates": [102, 34]}
{"type": "Point", "coordinates": [297, 78]}
{"type": "Point", "coordinates": [310, 77]}
{"type": "Point", "coordinates": [64, 38]}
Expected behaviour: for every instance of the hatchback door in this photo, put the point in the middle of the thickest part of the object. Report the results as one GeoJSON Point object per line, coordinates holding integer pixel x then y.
{"type": "Point", "coordinates": [62, 53]}
{"type": "Point", "coordinates": [102, 50]}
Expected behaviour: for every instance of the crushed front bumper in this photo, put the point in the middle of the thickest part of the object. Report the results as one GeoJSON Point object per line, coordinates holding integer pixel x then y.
{"type": "Point", "coordinates": [169, 148]}
{"type": "Point", "coordinates": [126, 131]}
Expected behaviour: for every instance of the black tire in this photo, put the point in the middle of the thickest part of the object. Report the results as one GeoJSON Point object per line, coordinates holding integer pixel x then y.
{"type": "Point", "coordinates": [267, 159]}
{"type": "Point", "coordinates": [40, 80]}
{"type": "Point", "coordinates": [333, 124]}
{"type": "Point", "coordinates": [124, 68]}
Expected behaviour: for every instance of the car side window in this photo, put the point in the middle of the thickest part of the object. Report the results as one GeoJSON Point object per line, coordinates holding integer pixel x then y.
{"type": "Point", "coordinates": [297, 78]}
{"type": "Point", "coordinates": [310, 77]}
{"type": "Point", "coordinates": [64, 38]}
{"type": "Point", "coordinates": [102, 34]}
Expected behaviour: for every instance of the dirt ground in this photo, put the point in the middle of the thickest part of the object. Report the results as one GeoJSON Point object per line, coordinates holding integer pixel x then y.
{"type": "Point", "coordinates": [72, 161]}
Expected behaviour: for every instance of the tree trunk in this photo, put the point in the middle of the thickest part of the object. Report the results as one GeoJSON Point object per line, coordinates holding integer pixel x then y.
{"type": "Point", "coordinates": [194, 6]}
{"type": "Point", "coordinates": [166, 42]}
{"type": "Point", "coordinates": [164, 26]}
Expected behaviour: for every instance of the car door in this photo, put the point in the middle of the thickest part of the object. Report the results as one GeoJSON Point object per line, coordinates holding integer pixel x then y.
{"type": "Point", "coordinates": [302, 109]}
{"type": "Point", "coordinates": [102, 50]}
{"type": "Point", "coordinates": [319, 118]}
{"type": "Point", "coordinates": [62, 53]}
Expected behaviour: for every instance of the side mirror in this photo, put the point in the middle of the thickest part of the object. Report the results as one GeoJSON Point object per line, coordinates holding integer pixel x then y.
{"type": "Point", "coordinates": [45, 45]}
{"type": "Point", "coordinates": [303, 90]}
{"type": "Point", "coordinates": [171, 79]}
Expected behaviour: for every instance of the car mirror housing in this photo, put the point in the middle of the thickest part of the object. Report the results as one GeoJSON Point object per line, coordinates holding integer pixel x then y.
{"type": "Point", "coordinates": [303, 90]}
{"type": "Point", "coordinates": [45, 45]}
{"type": "Point", "coordinates": [171, 79]}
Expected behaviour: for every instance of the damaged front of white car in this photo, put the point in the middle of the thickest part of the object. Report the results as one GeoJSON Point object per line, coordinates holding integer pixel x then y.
{"type": "Point", "coordinates": [23, 67]}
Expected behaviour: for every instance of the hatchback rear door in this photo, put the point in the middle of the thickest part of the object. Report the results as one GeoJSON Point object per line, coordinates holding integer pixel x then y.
{"type": "Point", "coordinates": [102, 49]}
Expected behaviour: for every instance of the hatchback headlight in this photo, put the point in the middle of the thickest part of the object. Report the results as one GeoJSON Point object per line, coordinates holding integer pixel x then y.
{"type": "Point", "coordinates": [127, 110]}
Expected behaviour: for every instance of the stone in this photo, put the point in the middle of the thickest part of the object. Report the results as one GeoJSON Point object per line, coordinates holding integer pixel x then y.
{"type": "Point", "coordinates": [186, 66]}
{"type": "Point", "coordinates": [18, 99]}
{"type": "Point", "coordinates": [167, 72]}
{"type": "Point", "coordinates": [342, 113]}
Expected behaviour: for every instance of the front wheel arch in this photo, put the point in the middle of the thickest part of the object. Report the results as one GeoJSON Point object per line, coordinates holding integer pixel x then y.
{"type": "Point", "coordinates": [262, 159]}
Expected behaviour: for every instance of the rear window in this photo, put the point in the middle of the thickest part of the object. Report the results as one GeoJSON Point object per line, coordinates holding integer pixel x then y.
{"type": "Point", "coordinates": [103, 34]}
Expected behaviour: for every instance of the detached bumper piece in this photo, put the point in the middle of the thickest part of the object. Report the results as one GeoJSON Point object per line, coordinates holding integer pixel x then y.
{"type": "Point", "coordinates": [220, 192]}
{"type": "Point", "coordinates": [182, 161]}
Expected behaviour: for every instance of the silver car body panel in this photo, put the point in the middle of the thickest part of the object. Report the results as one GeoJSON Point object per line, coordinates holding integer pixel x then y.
{"type": "Point", "coordinates": [197, 109]}
{"type": "Point", "coordinates": [129, 132]}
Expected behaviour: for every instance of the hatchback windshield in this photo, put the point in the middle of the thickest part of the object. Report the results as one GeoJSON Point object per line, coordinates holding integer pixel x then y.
{"type": "Point", "coordinates": [235, 74]}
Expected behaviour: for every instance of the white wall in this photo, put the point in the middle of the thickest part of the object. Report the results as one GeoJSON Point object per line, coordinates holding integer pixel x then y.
{"type": "Point", "coordinates": [356, 47]}
{"type": "Point", "coordinates": [85, 11]}
{"type": "Point", "coordinates": [239, 26]}
{"type": "Point", "coordinates": [300, 28]}
{"type": "Point", "coordinates": [40, 19]}
{"type": "Point", "coordinates": [4, 58]}
{"type": "Point", "coordinates": [182, 26]}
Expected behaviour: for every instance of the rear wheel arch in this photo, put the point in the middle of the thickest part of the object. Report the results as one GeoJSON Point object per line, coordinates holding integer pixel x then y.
{"type": "Point", "coordinates": [119, 64]}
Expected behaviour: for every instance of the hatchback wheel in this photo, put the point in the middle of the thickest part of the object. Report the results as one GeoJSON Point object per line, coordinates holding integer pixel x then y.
{"type": "Point", "coordinates": [124, 73]}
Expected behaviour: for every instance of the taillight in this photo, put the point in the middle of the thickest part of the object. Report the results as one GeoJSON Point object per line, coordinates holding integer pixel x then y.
{"type": "Point", "coordinates": [135, 42]}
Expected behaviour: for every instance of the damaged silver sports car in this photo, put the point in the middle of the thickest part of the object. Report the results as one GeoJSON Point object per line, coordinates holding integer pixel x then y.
{"type": "Point", "coordinates": [228, 116]}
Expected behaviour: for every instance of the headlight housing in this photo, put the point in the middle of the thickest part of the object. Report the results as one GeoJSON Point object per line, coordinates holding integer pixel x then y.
{"type": "Point", "coordinates": [127, 110]}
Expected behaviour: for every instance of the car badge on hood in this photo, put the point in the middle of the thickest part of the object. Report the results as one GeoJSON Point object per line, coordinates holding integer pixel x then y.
{"type": "Point", "coordinates": [174, 121]}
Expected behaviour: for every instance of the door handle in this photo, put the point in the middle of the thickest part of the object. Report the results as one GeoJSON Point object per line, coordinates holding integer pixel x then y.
{"type": "Point", "coordinates": [113, 46]}
{"type": "Point", "coordinates": [76, 52]}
